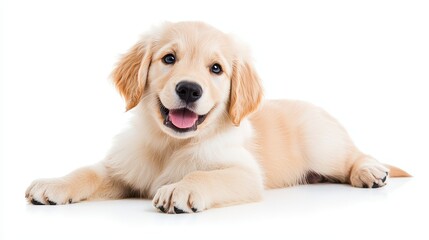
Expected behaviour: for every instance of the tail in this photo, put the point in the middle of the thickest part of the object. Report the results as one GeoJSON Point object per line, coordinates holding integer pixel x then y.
{"type": "Point", "coordinates": [397, 172]}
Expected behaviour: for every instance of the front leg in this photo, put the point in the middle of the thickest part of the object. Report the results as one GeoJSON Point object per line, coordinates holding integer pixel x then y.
{"type": "Point", "coordinates": [91, 182]}
{"type": "Point", "coordinates": [201, 190]}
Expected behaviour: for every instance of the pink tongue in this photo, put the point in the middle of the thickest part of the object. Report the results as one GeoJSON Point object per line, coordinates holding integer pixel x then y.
{"type": "Point", "coordinates": [183, 118]}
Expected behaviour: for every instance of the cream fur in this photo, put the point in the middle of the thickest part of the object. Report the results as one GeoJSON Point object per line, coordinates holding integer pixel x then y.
{"type": "Point", "coordinates": [243, 146]}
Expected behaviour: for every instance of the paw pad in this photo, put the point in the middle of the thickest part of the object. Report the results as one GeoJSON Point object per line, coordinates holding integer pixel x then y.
{"type": "Point", "coordinates": [178, 210]}
{"type": "Point", "coordinates": [35, 202]}
{"type": "Point", "coordinates": [161, 208]}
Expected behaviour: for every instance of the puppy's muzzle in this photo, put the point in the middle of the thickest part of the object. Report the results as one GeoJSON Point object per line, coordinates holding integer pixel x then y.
{"type": "Point", "coordinates": [184, 119]}
{"type": "Point", "coordinates": [189, 92]}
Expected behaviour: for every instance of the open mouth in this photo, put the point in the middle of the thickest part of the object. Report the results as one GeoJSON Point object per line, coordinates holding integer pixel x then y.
{"type": "Point", "coordinates": [182, 119]}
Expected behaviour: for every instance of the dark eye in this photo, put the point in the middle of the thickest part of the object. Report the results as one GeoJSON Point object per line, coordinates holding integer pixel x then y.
{"type": "Point", "coordinates": [169, 59]}
{"type": "Point", "coordinates": [216, 69]}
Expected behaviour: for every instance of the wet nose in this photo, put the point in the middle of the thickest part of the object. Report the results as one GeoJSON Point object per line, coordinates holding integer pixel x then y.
{"type": "Point", "coordinates": [189, 91]}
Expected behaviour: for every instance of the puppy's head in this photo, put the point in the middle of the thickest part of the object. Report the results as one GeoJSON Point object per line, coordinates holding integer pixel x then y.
{"type": "Point", "coordinates": [190, 77]}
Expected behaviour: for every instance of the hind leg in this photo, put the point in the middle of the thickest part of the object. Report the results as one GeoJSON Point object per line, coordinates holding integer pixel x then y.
{"type": "Point", "coordinates": [345, 164]}
{"type": "Point", "coordinates": [342, 162]}
{"type": "Point", "coordinates": [354, 168]}
{"type": "Point", "coordinates": [368, 172]}
{"type": "Point", "coordinates": [332, 156]}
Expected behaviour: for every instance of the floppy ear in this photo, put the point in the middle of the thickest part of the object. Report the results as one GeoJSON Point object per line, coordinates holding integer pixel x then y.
{"type": "Point", "coordinates": [130, 75]}
{"type": "Point", "coordinates": [246, 91]}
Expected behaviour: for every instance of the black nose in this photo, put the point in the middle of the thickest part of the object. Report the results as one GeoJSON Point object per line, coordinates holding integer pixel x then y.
{"type": "Point", "coordinates": [189, 91]}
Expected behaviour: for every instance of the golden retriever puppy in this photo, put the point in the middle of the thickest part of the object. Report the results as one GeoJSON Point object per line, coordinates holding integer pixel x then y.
{"type": "Point", "coordinates": [202, 137]}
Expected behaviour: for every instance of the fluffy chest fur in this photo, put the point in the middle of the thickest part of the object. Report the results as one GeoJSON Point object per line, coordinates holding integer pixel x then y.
{"type": "Point", "coordinates": [145, 164]}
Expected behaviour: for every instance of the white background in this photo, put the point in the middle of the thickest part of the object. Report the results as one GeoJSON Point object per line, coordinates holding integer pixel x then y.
{"type": "Point", "coordinates": [366, 62]}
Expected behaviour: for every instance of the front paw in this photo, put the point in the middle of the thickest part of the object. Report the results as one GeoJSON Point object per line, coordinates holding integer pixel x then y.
{"type": "Point", "coordinates": [178, 198]}
{"type": "Point", "coordinates": [50, 192]}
